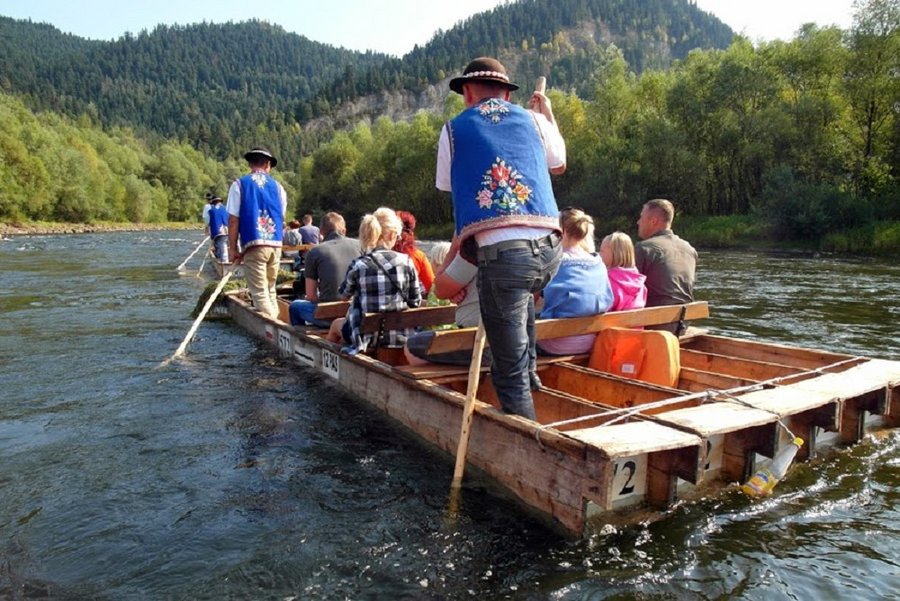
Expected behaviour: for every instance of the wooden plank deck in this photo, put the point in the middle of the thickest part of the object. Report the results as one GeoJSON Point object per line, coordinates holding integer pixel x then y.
{"type": "Point", "coordinates": [638, 437]}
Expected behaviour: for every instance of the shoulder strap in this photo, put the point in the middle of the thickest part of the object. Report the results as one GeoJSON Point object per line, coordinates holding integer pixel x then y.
{"type": "Point", "coordinates": [390, 277]}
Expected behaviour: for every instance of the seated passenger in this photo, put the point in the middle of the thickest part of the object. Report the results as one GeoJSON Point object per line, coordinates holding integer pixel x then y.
{"type": "Point", "coordinates": [379, 281]}
{"type": "Point", "coordinates": [580, 287]}
{"type": "Point", "coordinates": [669, 262]}
{"type": "Point", "coordinates": [325, 266]}
{"type": "Point", "coordinates": [467, 314]}
{"type": "Point", "coordinates": [309, 234]}
{"type": "Point", "coordinates": [629, 291]}
{"type": "Point", "coordinates": [292, 234]}
{"type": "Point", "coordinates": [437, 256]}
{"type": "Point", "coordinates": [407, 245]}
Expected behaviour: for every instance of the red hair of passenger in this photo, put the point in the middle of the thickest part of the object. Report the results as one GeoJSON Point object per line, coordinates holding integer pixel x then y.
{"type": "Point", "coordinates": [407, 240]}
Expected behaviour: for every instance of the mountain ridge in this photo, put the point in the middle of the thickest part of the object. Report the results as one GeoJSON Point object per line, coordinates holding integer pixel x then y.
{"type": "Point", "coordinates": [196, 82]}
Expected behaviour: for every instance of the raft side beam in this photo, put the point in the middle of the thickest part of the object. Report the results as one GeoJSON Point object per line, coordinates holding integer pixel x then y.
{"type": "Point", "coordinates": [768, 352]}
{"type": "Point", "coordinates": [734, 366]}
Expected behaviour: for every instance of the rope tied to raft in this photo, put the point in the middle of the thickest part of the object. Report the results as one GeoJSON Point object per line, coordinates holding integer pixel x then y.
{"type": "Point", "coordinates": [730, 398]}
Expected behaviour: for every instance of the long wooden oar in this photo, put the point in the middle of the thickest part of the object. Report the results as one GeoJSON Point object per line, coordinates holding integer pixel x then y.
{"type": "Point", "coordinates": [202, 264]}
{"type": "Point", "coordinates": [468, 410]}
{"type": "Point", "coordinates": [199, 246]}
{"type": "Point", "coordinates": [209, 303]}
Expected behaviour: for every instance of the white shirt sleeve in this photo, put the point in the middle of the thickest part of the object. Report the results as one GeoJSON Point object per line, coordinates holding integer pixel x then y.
{"type": "Point", "coordinates": [206, 209]}
{"type": "Point", "coordinates": [283, 194]}
{"type": "Point", "coordinates": [554, 145]}
{"type": "Point", "coordinates": [233, 205]}
{"type": "Point", "coordinates": [442, 174]}
{"type": "Point", "coordinates": [461, 270]}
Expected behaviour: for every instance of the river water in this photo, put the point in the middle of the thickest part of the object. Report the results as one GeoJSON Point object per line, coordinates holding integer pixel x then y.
{"type": "Point", "coordinates": [234, 475]}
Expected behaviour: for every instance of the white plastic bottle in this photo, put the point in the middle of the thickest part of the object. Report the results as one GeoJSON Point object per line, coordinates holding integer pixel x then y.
{"type": "Point", "coordinates": [766, 478]}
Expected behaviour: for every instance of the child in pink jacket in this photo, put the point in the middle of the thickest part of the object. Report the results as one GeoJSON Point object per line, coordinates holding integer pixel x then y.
{"type": "Point", "coordinates": [629, 291]}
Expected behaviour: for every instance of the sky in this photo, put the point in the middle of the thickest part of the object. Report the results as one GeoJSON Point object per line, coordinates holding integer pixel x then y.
{"type": "Point", "coordinates": [389, 26]}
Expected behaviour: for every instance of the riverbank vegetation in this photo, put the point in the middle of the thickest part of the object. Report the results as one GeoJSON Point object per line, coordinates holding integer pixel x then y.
{"type": "Point", "coordinates": [787, 142]}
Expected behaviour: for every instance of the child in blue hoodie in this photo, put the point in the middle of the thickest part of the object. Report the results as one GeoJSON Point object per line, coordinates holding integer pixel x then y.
{"type": "Point", "coordinates": [580, 287]}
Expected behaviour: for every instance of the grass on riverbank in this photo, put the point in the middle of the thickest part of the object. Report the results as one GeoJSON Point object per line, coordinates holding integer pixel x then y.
{"type": "Point", "coordinates": [880, 239]}
{"type": "Point", "coordinates": [745, 232]}
{"type": "Point", "coordinates": [731, 231]}
{"type": "Point", "coordinates": [33, 228]}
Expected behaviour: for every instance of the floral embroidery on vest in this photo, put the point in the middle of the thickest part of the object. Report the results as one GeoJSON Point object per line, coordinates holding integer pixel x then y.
{"type": "Point", "coordinates": [493, 110]}
{"type": "Point", "coordinates": [259, 179]}
{"type": "Point", "coordinates": [265, 226]}
{"type": "Point", "coordinates": [501, 186]}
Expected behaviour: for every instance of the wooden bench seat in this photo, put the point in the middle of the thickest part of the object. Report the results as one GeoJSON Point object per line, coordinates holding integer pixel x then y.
{"type": "Point", "coordinates": [464, 338]}
{"type": "Point", "coordinates": [394, 320]}
{"type": "Point", "coordinates": [375, 323]}
{"type": "Point", "coordinates": [331, 310]}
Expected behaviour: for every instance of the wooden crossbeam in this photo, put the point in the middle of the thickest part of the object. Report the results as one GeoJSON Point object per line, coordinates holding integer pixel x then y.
{"type": "Point", "coordinates": [408, 318]}
{"type": "Point", "coordinates": [464, 338]}
{"type": "Point", "coordinates": [331, 310]}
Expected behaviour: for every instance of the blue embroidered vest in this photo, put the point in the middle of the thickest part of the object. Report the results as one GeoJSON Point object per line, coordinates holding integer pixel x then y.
{"type": "Point", "coordinates": [261, 218]}
{"type": "Point", "coordinates": [499, 174]}
{"type": "Point", "coordinates": [218, 221]}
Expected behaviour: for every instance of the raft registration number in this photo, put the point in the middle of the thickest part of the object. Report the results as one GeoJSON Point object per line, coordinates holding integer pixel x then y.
{"type": "Point", "coordinates": [331, 364]}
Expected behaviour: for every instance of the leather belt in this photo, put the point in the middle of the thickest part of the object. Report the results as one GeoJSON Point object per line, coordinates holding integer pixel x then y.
{"type": "Point", "coordinates": [491, 251]}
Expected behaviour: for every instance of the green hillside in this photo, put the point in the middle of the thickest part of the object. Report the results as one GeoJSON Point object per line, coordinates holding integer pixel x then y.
{"type": "Point", "coordinates": [200, 83]}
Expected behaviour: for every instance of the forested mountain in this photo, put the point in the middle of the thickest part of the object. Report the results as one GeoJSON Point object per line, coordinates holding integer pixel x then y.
{"type": "Point", "coordinates": [801, 138]}
{"type": "Point", "coordinates": [222, 87]}
{"type": "Point", "coordinates": [215, 86]}
{"type": "Point", "coordinates": [563, 39]}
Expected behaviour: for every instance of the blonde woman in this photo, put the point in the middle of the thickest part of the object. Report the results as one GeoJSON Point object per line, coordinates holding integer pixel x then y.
{"type": "Point", "coordinates": [580, 287]}
{"type": "Point", "coordinates": [628, 284]}
{"type": "Point", "coordinates": [379, 281]}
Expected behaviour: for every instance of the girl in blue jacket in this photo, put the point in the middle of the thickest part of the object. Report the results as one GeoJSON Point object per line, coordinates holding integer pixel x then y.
{"type": "Point", "coordinates": [580, 287]}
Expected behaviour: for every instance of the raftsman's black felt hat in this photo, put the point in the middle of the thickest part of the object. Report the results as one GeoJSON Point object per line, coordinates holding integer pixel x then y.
{"type": "Point", "coordinates": [263, 152]}
{"type": "Point", "coordinates": [483, 68]}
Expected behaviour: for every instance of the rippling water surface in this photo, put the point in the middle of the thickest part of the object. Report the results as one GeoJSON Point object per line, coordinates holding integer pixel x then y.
{"type": "Point", "coordinates": [233, 475]}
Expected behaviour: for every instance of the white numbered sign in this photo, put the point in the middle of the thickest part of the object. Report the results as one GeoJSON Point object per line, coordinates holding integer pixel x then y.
{"type": "Point", "coordinates": [629, 478]}
{"type": "Point", "coordinates": [284, 343]}
{"type": "Point", "coordinates": [331, 364]}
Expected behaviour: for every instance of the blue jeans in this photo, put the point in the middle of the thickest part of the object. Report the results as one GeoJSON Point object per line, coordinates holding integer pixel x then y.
{"type": "Point", "coordinates": [507, 281]}
{"type": "Point", "coordinates": [302, 312]}
{"type": "Point", "coordinates": [221, 243]}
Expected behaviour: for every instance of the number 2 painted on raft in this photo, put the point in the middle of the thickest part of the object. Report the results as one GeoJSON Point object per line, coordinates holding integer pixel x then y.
{"type": "Point", "coordinates": [631, 466]}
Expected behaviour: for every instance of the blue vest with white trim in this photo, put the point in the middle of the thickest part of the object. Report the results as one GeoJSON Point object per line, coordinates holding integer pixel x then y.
{"type": "Point", "coordinates": [218, 221]}
{"type": "Point", "coordinates": [261, 218]}
{"type": "Point", "coordinates": [498, 174]}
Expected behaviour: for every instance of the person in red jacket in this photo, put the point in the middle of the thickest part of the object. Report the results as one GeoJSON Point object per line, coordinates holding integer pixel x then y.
{"type": "Point", "coordinates": [407, 245]}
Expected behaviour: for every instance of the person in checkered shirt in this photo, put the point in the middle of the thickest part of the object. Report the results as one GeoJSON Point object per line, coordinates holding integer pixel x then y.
{"type": "Point", "coordinates": [379, 281]}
